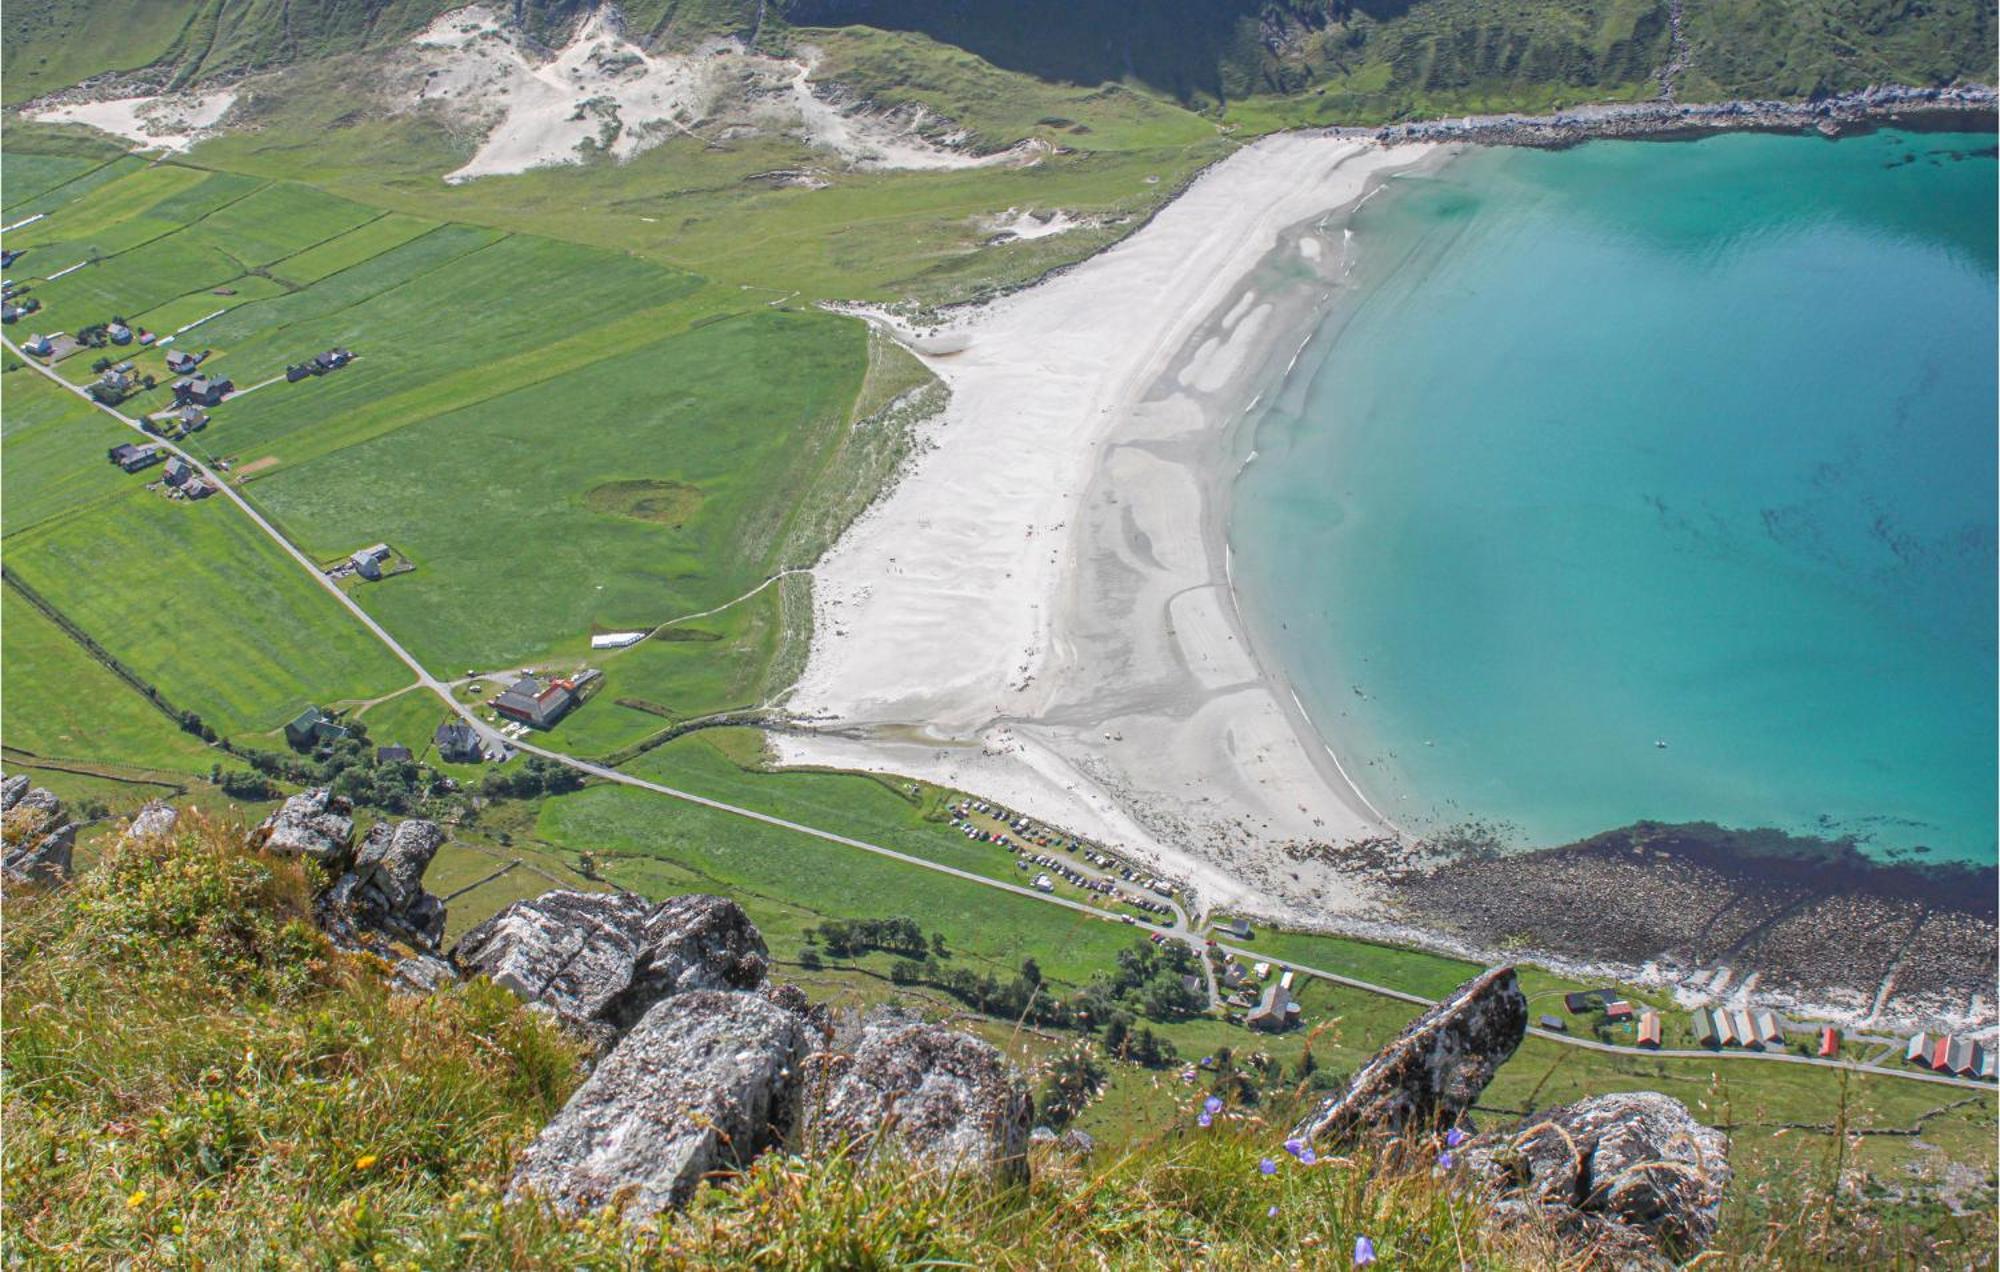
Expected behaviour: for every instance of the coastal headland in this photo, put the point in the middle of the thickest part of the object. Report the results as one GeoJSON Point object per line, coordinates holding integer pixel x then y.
{"type": "Point", "coordinates": [1041, 611]}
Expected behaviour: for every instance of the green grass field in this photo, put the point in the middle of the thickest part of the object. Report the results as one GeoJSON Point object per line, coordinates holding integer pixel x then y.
{"type": "Point", "coordinates": [54, 447]}
{"type": "Point", "coordinates": [198, 602]}
{"type": "Point", "coordinates": [789, 881]}
{"type": "Point", "coordinates": [62, 704]}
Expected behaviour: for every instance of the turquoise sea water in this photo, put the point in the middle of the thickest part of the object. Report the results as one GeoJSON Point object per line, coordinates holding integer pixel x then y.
{"type": "Point", "coordinates": [1641, 442]}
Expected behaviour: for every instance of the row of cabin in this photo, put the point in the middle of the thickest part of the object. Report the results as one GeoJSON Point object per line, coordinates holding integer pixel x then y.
{"type": "Point", "coordinates": [1946, 1054]}
{"type": "Point", "coordinates": [318, 364]}
{"type": "Point", "coordinates": [1738, 1027]}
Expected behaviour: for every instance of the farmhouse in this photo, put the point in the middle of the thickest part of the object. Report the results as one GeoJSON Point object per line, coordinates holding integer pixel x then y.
{"type": "Point", "coordinates": [111, 387]}
{"type": "Point", "coordinates": [1275, 1012]}
{"type": "Point", "coordinates": [534, 703]}
{"type": "Point", "coordinates": [391, 754]}
{"type": "Point", "coordinates": [331, 360]}
{"type": "Point", "coordinates": [1554, 1024]}
{"type": "Point", "coordinates": [458, 743]}
{"type": "Point", "coordinates": [181, 362]}
{"type": "Point", "coordinates": [177, 471]}
{"type": "Point", "coordinates": [313, 726]}
{"type": "Point", "coordinates": [119, 333]}
{"type": "Point", "coordinates": [368, 561]}
{"type": "Point", "coordinates": [202, 391]}
{"type": "Point", "coordinates": [133, 458]}
{"type": "Point", "coordinates": [39, 345]}
{"type": "Point", "coordinates": [1620, 1010]}
{"type": "Point", "coordinates": [1582, 1001]}
{"type": "Point", "coordinates": [192, 418]}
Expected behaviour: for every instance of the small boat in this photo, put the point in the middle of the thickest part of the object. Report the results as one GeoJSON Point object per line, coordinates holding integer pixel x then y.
{"type": "Point", "coordinates": [1661, 743]}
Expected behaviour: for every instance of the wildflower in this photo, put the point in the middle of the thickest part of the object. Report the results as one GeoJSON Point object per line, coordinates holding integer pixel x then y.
{"type": "Point", "coordinates": [1272, 1213]}
{"type": "Point", "coordinates": [1265, 1166]}
{"type": "Point", "coordinates": [1364, 1252]}
{"type": "Point", "coordinates": [1295, 1146]}
{"type": "Point", "coordinates": [1307, 1157]}
{"type": "Point", "coordinates": [1454, 1137]}
{"type": "Point", "coordinates": [1212, 1105]}
{"type": "Point", "coordinates": [1444, 1161]}
{"type": "Point", "coordinates": [136, 1200]}
{"type": "Point", "coordinates": [365, 1161]}
{"type": "Point", "coordinates": [1204, 1120]}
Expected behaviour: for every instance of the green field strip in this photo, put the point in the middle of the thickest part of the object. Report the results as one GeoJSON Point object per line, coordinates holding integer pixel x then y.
{"type": "Point", "coordinates": [55, 445]}
{"type": "Point", "coordinates": [195, 599]}
{"type": "Point", "coordinates": [63, 704]}
{"type": "Point", "coordinates": [363, 243]}
{"type": "Point", "coordinates": [51, 201]}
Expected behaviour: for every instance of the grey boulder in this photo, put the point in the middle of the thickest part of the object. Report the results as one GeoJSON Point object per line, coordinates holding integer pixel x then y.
{"type": "Point", "coordinates": [1632, 1175]}
{"type": "Point", "coordinates": [703, 1082]}
{"type": "Point", "coordinates": [315, 823]}
{"type": "Point", "coordinates": [1430, 1075]}
{"type": "Point", "coordinates": [922, 1093]}
{"type": "Point", "coordinates": [154, 819]}
{"type": "Point", "coordinates": [11, 791]}
{"type": "Point", "coordinates": [392, 860]}
{"type": "Point", "coordinates": [601, 960]}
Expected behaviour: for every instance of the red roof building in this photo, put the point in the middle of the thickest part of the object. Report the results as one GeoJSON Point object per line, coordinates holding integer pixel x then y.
{"type": "Point", "coordinates": [1829, 1043]}
{"type": "Point", "coordinates": [1620, 1010]}
{"type": "Point", "coordinates": [1941, 1054]}
{"type": "Point", "coordinates": [1649, 1029]}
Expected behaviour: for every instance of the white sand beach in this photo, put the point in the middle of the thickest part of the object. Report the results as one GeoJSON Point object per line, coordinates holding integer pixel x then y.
{"type": "Point", "coordinates": [1039, 612]}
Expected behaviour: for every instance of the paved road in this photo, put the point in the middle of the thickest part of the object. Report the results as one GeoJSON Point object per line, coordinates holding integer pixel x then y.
{"type": "Point", "coordinates": [1181, 929]}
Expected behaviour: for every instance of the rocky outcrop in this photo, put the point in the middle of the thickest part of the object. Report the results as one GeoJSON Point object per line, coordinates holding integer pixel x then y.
{"type": "Point", "coordinates": [154, 819]}
{"type": "Point", "coordinates": [1633, 1177]}
{"type": "Point", "coordinates": [702, 1082]}
{"type": "Point", "coordinates": [315, 823]}
{"type": "Point", "coordinates": [601, 960]}
{"type": "Point", "coordinates": [920, 1093]}
{"type": "Point", "coordinates": [1434, 1069]}
{"type": "Point", "coordinates": [37, 841]}
{"type": "Point", "coordinates": [382, 894]}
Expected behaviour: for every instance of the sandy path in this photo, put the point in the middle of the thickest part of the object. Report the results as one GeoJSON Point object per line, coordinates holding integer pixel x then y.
{"type": "Point", "coordinates": [1038, 612]}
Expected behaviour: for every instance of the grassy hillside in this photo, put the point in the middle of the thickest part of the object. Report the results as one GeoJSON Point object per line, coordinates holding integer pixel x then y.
{"type": "Point", "coordinates": [297, 1114]}
{"type": "Point", "coordinates": [1319, 60]}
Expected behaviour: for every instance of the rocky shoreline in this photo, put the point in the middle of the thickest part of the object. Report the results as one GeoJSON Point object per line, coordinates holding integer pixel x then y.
{"type": "Point", "coordinates": [1718, 914]}
{"type": "Point", "coordinates": [1957, 106]}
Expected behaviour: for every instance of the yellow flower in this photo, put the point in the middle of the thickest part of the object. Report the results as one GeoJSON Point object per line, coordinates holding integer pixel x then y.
{"type": "Point", "coordinates": [364, 1161]}
{"type": "Point", "coordinates": [136, 1200]}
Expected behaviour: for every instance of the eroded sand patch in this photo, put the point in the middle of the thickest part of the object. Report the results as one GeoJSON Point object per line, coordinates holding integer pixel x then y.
{"type": "Point", "coordinates": [170, 122]}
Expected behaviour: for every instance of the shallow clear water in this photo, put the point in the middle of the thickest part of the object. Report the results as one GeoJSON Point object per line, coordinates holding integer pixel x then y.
{"type": "Point", "coordinates": [1644, 442]}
